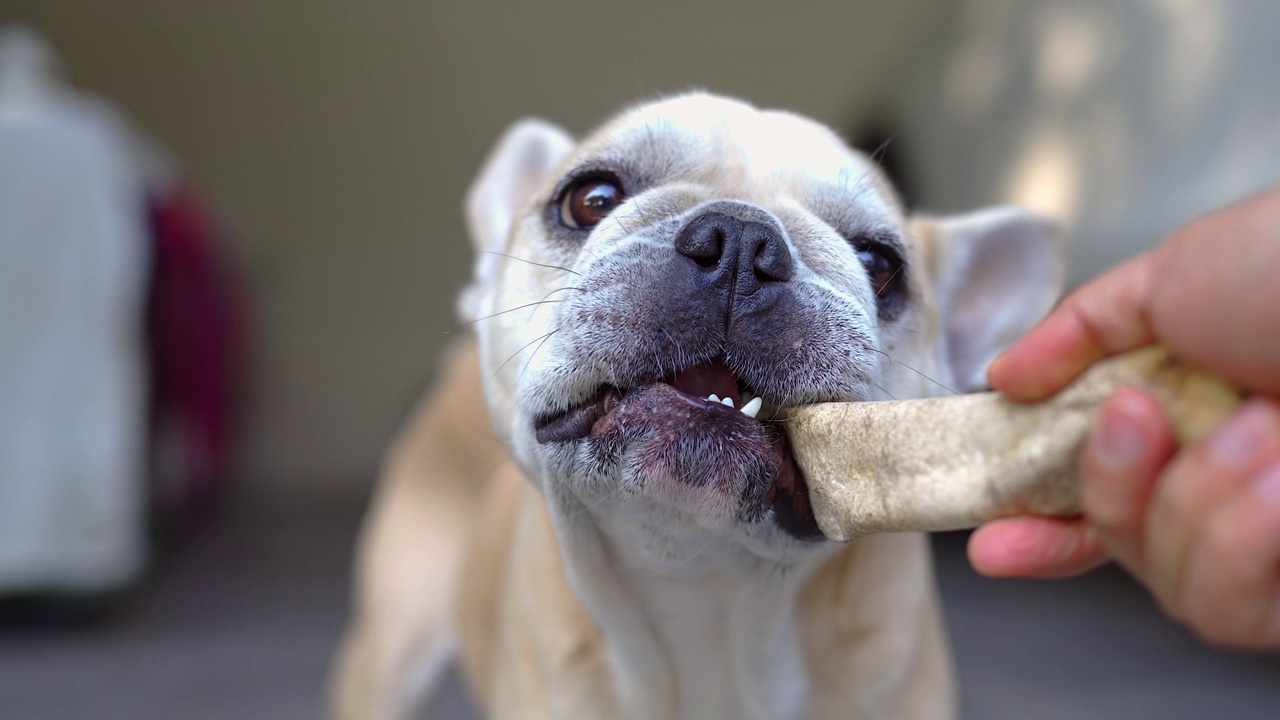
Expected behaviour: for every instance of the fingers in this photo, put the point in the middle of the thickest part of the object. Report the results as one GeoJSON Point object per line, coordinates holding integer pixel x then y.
{"type": "Point", "coordinates": [1232, 593]}
{"type": "Point", "coordinates": [1202, 530]}
{"type": "Point", "coordinates": [1104, 317]}
{"type": "Point", "coordinates": [1122, 459]}
{"type": "Point", "coordinates": [1217, 304]}
{"type": "Point", "coordinates": [1035, 547]}
{"type": "Point", "coordinates": [1129, 444]}
{"type": "Point", "coordinates": [1204, 527]}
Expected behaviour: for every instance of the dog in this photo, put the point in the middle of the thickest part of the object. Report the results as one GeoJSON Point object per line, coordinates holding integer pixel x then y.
{"type": "Point", "coordinates": [647, 303]}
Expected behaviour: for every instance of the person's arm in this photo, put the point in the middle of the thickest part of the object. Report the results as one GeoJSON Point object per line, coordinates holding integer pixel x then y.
{"type": "Point", "coordinates": [1201, 527]}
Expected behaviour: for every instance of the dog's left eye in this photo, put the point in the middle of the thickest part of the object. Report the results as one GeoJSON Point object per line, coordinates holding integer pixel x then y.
{"type": "Point", "coordinates": [887, 272]}
{"type": "Point", "coordinates": [589, 200]}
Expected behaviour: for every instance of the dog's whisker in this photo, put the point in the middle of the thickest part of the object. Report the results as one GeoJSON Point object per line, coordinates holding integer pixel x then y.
{"type": "Point", "coordinates": [530, 262]}
{"type": "Point", "coordinates": [679, 354]}
{"type": "Point", "coordinates": [522, 349]}
{"type": "Point", "coordinates": [883, 390]}
{"type": "Point", "coordinates": [544, 301]}
{"type": "Point", "coordinates": [877, 155]}
{"type": "Point", "coordinates": [926, 377]}
{"type": "Point", "coordinates": [640, 211]}
{"type": "Point", "coordinates": [692, 557]}
{"type": "Point", "coordinates": [891, 277]}
{"type": "Point", "coordinates": [587, 507]}
{"type": "Point", "coordinates": [567, 287]}
{"type": "Point", "coordinates": [617, 217]}
{"type": "Point", "coordinates": [690, 529]}
{"type": "Point", "coordinates": [534, 354]}
{"type": "Point", "coordinates": [900, 327]}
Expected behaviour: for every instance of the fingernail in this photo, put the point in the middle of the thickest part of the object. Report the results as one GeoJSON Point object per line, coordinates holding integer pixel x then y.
{"type": "Point", "coordinates": [1119, 442]}
{"type": "Point", "coordinates": [1241, 440]}
{"type": "Point", "coordinates": [1266, 487]}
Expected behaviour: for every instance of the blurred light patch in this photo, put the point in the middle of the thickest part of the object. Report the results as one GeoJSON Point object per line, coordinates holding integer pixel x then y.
{"type": "Point", "coordinates": [1047, 174]}
{"type": "Point", "coordinates": [979, 70]}
{"type": "Point", "coordinates": [1070, 52]}
{"type": "Point", "coordinates": [1195, 31]}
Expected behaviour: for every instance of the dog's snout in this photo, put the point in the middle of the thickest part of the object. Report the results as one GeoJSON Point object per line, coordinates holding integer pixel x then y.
{"type": "Point", "coordinates": [753, 252]}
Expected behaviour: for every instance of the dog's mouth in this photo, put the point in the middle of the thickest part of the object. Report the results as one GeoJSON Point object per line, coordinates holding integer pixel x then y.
{"type": "Point", "coordinates": [703, 410]}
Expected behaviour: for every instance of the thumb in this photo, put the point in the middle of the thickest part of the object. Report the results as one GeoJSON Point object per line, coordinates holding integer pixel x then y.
{"type": "Point", "coordinates": [1108, 315]}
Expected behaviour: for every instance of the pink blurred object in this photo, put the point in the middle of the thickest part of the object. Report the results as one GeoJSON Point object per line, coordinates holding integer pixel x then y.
{"type": "Point", "coordinates": [197, 343]}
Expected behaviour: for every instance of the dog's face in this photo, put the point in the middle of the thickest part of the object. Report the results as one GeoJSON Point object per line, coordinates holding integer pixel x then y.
{"type": "Point", "coordinates": [688, 273]}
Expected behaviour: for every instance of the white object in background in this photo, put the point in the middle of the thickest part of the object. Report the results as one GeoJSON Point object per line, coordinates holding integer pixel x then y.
{"type": "Point", "coordinates": [73, 272]}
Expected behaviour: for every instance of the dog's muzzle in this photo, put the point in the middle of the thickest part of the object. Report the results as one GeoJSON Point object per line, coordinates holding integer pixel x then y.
{"type": "Point", "coordinates": [703, 424]}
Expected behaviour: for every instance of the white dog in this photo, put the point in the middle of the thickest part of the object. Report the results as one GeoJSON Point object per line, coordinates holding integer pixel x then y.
{"type": "Point", "coordinates": [645, 303]}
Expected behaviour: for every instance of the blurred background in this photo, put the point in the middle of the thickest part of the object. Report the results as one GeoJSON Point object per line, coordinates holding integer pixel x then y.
{"type": "Point", "coordinates": [231, 234]}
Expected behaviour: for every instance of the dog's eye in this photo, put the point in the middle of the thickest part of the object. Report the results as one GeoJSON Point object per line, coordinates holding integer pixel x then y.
{"type": "Point", "coordinates": [589, 200]}
{"type": "Point", "coordinates": [886, 271]}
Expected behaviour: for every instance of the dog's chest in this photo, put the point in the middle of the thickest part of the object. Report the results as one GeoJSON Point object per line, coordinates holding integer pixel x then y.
{"type": "Point", "coordinates": [707, 636]}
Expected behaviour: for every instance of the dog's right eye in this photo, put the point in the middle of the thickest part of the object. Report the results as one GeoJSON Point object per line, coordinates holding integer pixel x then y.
{"type": "Point", "coordinates": [589, 200]}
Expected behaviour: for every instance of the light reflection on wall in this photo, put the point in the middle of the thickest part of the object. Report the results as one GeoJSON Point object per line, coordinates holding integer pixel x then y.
{"type": "Point", "coordinates": [1124, 119]}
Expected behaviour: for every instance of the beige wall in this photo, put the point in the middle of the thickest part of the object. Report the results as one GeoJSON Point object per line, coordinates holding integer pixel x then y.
{"type": "Point", "coordinates": [337, 138]}
{"type": "Point", "coordinates": [1124, 119]}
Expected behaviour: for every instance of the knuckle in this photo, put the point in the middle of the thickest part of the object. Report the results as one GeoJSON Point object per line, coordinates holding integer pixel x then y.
{"type": "Point", "coordinates": [1171, 608]}
{"type": "Point", "coordinates": [1224, 630]}
{"type": "Point", "coordinates": [1180, 500]}
{"type": "Point", "coordinates": [1106, 501]}
{"type": "Point", "coordinates": [1111, 517]}
{"type": "Point", "coordinates": [1218, 633]}
{"type": "Point", "coordinates": [1219, 538]}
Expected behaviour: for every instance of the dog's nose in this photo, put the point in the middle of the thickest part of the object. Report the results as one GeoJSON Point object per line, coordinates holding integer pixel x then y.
{"type": "Point", "coordinates": [753, 252]}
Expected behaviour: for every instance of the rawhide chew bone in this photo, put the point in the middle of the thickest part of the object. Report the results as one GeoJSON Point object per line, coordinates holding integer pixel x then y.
{"type": "Point", "coordinates": [955, 462]}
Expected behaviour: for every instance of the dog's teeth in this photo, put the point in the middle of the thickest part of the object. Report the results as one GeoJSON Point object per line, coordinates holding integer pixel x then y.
{"type": "Point", "coordinates": [727, 401]}
{"type": "Point", "coordinates": [713, 397]}
{"type": "Point", "coordinates": [751, 408]}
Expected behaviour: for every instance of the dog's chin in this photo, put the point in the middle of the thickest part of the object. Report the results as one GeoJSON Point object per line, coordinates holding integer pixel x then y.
{"type": "Point", "coordinates": [675, 430]}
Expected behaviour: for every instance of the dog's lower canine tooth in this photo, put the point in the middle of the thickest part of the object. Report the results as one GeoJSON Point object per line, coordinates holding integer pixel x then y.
{"type": "Point", "coordinates": [752, 407]}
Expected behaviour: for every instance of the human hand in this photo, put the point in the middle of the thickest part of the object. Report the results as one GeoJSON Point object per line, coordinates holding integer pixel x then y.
{"type": "Point", "coordinates": [1201, 527]}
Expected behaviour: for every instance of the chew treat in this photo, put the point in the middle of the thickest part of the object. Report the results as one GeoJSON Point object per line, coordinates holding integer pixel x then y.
{"type": "Point", "coordinates": [956, 462]}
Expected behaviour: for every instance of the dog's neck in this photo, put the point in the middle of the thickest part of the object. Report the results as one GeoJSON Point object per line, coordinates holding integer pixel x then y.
{"type": "Point", "coordinates": [732, 640]}
{"type": "Point", "coordinates": [720, 636]}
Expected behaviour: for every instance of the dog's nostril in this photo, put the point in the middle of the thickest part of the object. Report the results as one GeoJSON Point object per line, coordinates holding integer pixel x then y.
{"type": "Point", "coordinates": [752, 251]}
{"type": "Point", "coordinates": [709, 256]}
{"type": "Point", "coordinates": [708, 239]}
{"type": "Point", "coordinates": [770, 258]}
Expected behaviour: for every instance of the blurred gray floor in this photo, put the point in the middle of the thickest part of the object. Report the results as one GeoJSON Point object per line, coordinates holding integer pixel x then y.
{"type": "Point", "coordinates": [240, 624]}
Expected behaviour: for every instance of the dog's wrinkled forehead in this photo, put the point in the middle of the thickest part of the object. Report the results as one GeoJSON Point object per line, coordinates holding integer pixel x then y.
{"type": "Point", "coordinates": [762, 156]}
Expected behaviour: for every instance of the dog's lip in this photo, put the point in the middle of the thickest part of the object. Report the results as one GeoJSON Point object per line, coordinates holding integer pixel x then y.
{"type": "Point", "coordinates": [786, 493]}
{"type": "Point", "coordinates": [699, 382]}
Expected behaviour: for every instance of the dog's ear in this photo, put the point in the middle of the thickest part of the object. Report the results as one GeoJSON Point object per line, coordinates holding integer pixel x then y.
{"type": "Point", "coordinates": [516, 167]}
{"type": "Point", "coordinates": [995, 273]}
